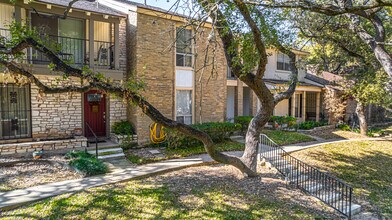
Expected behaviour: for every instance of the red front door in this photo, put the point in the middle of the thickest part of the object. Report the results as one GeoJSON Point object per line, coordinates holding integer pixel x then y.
{"type": "Point", "coordinates": [95, 113]}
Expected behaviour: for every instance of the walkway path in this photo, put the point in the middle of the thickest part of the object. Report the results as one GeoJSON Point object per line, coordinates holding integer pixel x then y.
{"type": "Point", "coordinates": [12, 199]}
{"type": "Point", "coordinates": [305, 145]}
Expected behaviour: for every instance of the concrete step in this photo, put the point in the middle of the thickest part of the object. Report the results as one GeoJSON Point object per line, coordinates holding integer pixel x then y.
{"type": "Point", "coordinates": [330, 197]}
{"type": "Point", "coordinates": [299, 178]}
{"type": "Point", "coordinates": [107, 151]}
{"type": "Point", "coordinates": [111, 156]}
{"type": "Point", "coordinates": [355, 209]}
{"type": "Point", "coordinates": [314, 187]}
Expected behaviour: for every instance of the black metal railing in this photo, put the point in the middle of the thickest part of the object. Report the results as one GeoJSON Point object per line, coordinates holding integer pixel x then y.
{"type": "Point", "coordinates": [90, 131]}
{"type": "Point", "coordinates": [329, 189]}
{"type": "Point", "coordinates": [15, 111]}
{"type": "Point", "coordinates": [75, 51]}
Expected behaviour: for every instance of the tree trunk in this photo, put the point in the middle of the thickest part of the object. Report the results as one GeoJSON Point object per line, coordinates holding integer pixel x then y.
{"type": "Point", "coordinates": [360, 110]}
{"type": "Point", "coordinates": [249, 158]}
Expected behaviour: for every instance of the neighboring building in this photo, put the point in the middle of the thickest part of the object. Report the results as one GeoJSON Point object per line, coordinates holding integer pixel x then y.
{"type": "Point", "coordinates": [305, 104]}
{"type": "Point", "coordinates": [374, 114]}
{"type": "Point", "coordinates": [92, 35]}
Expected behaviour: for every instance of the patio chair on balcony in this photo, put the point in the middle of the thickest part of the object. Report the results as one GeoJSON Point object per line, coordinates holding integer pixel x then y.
{"type": "Point", "coordinates": [103, 56]}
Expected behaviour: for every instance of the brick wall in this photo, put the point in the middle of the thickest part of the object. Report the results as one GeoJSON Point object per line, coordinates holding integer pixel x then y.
{"type": "Point", "coordinates": [154, 57]}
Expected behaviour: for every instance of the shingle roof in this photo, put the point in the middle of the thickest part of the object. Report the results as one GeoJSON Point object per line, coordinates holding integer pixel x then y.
{"type": "Point", "coordinates": [324, 78]}
{"type": "Point", "coordinates": [153, 8]}
{"type": "Point", "coordinates": [277, 81]}
{"type": "Point", "coordinates": [86, 6]}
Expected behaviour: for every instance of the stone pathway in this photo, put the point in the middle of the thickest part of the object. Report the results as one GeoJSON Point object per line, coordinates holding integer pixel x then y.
{"type": "Point", "coordinates": [13, 199]}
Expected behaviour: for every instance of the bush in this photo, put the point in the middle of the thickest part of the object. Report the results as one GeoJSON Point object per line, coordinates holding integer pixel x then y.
{"type": "Point", "coordinates": [344, 127]}
{"type": "Point", "coordinates": [243, 121]}
{"type": "Point", "coordinates": [218, 131]}
{"type": "Point", "coordinates": [307, 125]}
{"type": "Point", "coordinates": [122, 128]}
{"type": "Point", "coordinates": [284, 120]}
{"type": "Point", "coordinates": [86, 163]}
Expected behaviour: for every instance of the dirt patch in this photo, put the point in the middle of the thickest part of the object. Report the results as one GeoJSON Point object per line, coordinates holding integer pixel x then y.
{"type": "Point", "coordinates": [186, 183]}
{"type": "Point", "coordinates": [32, 173]}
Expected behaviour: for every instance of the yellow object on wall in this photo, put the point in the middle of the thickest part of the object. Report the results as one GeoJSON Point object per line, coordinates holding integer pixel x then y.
{"type": "Point", "coordinates": [157, 134]}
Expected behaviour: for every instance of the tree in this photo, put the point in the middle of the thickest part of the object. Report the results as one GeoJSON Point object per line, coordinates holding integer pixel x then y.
{"type": "Point", "coordinates": [244, 32]}
{"type": "Point", "coordinates": [366, 20]}
{"type": "Point", "coordinates": [333, 50]}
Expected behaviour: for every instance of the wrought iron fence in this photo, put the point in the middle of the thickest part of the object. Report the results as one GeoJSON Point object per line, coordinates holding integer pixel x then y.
{"type": "Point", "coordinates": [15, 111]}
{"type": "Point", "coordinates": [329, 189]}
{"type": "Point", "coordinates": [74, 51]}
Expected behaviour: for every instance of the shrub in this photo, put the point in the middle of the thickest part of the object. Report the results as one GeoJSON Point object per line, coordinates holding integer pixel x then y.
{"type": "Point", "coordinates": [218, 131]}
{"type": "Point", "coordinates": [344, 127]}
{"type": "Point", "coordinates": [122, 128]}
{"type": "Point", "coordinates": [307, 125]}
{"type": "Point", "coordinates": [284, 120]}
{"type": "Point", "coordinates": [243, 121]}
{"type": "Point", "coordinates": [86, 163]}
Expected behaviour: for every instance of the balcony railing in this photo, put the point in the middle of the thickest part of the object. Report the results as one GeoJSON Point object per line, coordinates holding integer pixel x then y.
{"type": "Point", "coordinates": [74, 51]}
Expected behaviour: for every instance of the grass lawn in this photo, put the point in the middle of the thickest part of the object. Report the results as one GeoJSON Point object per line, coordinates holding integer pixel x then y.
{"type": "Point", "coordinates": [280, 137]}
{"type": "Point", "coordinates": [366, 165]}
{"type": "Point", "coordinates": [286, 137]}
{"type": "Point", "coordinates": [172, 153]}
{"type": "Point", "coordinates": [210, 192]}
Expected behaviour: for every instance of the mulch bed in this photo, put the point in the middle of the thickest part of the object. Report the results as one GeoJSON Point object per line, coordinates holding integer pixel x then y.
{"type": "Point", "coordinates": [22, 172]}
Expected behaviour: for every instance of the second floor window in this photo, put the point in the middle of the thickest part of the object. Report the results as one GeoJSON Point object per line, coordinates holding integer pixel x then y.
{"type": "Point", "coordinates": [183, 47]}
{"type": "Point", "coordinates": [283, 62]}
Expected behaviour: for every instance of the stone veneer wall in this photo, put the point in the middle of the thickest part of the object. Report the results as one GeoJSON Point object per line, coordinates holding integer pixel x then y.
{"type": "Point", "coordinates": [117, 110]}
{"type": "Point", "coordinates": [21, 148]}
{"type": "Point", "coordinates": [155, 61]}
{"type": "Point", "coordinates": [55, 115]}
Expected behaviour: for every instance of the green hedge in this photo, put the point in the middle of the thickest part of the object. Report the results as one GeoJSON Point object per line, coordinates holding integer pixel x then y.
{"type": "Point", "coordinates": [284, 120]}
{"type": "Point", "coordinates": [218, 131]}
{"type": "Point", "coordinates": [307, 125]}
{"type": "Point", "coordinates": [280, 120]}
{"type": "Point", "coordinates": [123, 128]}
{"type": "Point", "coordinates": [243, 121]}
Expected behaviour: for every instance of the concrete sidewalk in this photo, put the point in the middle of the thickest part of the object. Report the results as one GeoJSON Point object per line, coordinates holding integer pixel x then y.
{"type": "Point", "coordinates": [306, 145]}
{"type": "Point", "coordinates": [15, 198]}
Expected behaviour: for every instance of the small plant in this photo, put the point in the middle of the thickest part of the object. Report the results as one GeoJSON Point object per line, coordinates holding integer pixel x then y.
{"type": "Point", "coordinates": [86, 163]}
{"type": "Point", "coordinates": [123, 128]}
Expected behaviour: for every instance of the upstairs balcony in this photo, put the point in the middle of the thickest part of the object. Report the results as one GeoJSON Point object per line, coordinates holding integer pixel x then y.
{"type": "Point", "coordinates": [78, 41]}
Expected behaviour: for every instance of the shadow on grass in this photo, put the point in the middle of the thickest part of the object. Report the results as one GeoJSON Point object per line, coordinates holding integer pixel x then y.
{"type": "Point", "coordinates": [368, 168]}
{"type": "Point", "coordinates": [195, 194]}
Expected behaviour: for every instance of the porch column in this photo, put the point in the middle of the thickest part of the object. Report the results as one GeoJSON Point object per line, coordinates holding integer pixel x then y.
{"type": "Point", "coordinates": [240, 98]}
{"type": "Point", "coordinates": [304, 106]}
{"type": "Point", "coordinates": [318, 106]}
{"type": "Point", "coordinates": [293, 102]}
{"type": "Point", "coordinates": [116, 46]}
{"type": "Point", "coordinates": [18, 13]}
{"type": "Point", "coordinates": [91, 42]}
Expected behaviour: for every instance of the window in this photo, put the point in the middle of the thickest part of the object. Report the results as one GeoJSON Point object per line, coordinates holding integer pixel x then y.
{"type": "Point", "coordinates": [184, 47]}
{"type": "Point", "coordinates": [68, 33]}
{"type": "Point", "coordinates": [283, 62]}
{"type": "Point", "coordinates": [15, 111]}
{"type": "Point", "coordinates": [184, 106]}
